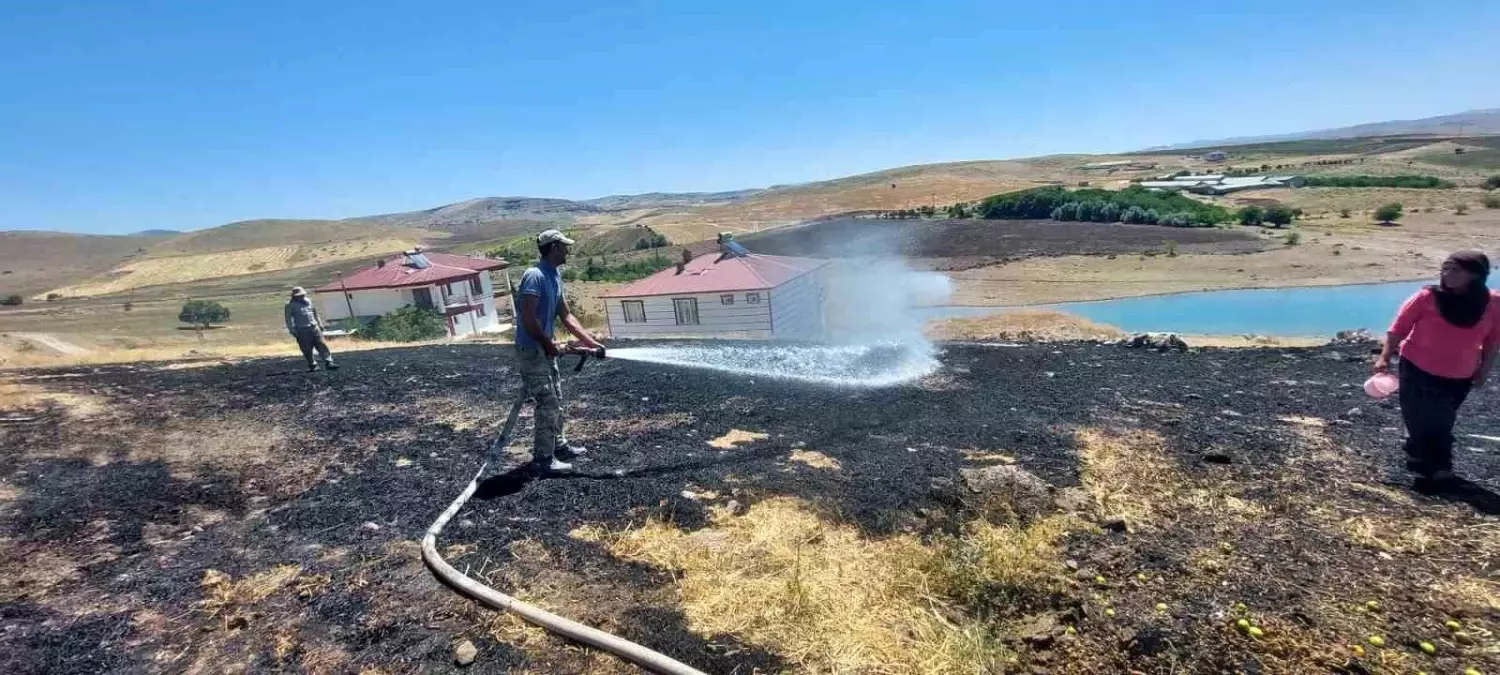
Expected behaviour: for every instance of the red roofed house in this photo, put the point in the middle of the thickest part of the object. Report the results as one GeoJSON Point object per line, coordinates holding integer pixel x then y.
{"type": "Point", "coordinates": [456, 286]}
{"type": "Point", "coordinates": [733, 294]}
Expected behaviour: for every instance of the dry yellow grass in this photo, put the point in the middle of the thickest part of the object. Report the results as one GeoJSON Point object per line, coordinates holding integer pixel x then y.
{"type": "Point", "coordinates": [1129, 475]}
{"type": "Point", "coordinates": [15, 395]}
{"type": "Point", "coordinates": [184, 356]}
{"type": "Point", "coordinates": [1039, 324]}
{"type": "Point", "coordinates": [736, 437]}
{"type": "Point", "coordinates": [816, 460]}
{"type": "Point", "coordinates": [829, 600]}
{"type": "Point", "coordinates": [179, 269]}
{"type": "Point", "coordinates": [818, 593]}
{"type": "Point", "coordinates": [222, 594]}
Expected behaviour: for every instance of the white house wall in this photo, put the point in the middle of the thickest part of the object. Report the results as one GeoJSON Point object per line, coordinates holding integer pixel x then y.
{"type": "Point", "coordinates": [333, 306]}
{"type": "Point", "coordinates": [715, 319]}
{"type": "Point", "coordinates": [797, 308]}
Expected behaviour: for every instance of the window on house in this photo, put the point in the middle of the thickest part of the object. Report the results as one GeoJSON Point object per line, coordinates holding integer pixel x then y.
{"type": "Point", "coordinates": [726, 299]}
{"type": "Point", "coordinates": [422, 298]}
{"type": "Point", "coordinates": [635, 311]}
{"type": "Point", "coordinates": [475, 286]}
{"type": "Point", "coordinates": [687, 311]}
{"type": "Point", "coordinates": [752, 298]}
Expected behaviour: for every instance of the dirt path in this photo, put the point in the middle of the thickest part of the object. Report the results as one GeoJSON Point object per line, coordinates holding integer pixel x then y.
{"type": "Point", "coordinates": [53, 343]}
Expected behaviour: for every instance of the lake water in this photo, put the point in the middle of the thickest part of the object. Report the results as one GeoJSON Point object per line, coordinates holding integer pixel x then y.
{"type": "Point", "coordinates": [1281, 312]}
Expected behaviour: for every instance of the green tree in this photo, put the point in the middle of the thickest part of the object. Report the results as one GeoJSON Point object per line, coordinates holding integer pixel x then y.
{"type": "Point", "coordinates": [1279, 215]}
{"type": "Point", "coordinates": [1492, 183]}
{"type": "Point", "coordinates": [1388, 213]}
{"type": "Point", "coordinates": [203, 313]}
{"type": "Point", "coordinates": [1251, 215]}
{"type": "Point", "coordinates": [1491, 201]}
{"type": "Point", "coordinates": [408, 324]}
{"type": "Point", "coordinates": [12, 301]}
{"type": "Point", "coordinates": [1109, 213]}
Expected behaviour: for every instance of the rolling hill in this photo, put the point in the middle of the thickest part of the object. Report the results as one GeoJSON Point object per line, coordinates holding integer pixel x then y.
{"type": "Point", "coordinates": [273, 249]}
{"type": "Point", "coordinates": [1471, 123]}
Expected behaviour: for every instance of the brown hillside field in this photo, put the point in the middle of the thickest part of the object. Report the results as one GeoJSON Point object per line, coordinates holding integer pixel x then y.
{"type": "Point", "coordinates": [1352, 254]}
{"type": "Point", "coordinates": [187, 268]}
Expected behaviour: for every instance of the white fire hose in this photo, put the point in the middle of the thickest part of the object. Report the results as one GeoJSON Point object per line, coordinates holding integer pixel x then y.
{"type": "Point", "coordinates": [577, 632]}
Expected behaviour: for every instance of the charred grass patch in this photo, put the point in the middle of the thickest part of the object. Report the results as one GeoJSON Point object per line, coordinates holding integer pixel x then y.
{"type": "Point", "coordinates": [772, 526]}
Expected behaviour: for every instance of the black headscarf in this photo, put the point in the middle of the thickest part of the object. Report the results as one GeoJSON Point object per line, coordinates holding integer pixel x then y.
{"type": "Point", "coordinates": [1464, 308]}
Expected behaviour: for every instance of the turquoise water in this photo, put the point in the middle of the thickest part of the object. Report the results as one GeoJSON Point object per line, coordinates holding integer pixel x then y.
{"type": "Point", "coordinates": [1282, 312]}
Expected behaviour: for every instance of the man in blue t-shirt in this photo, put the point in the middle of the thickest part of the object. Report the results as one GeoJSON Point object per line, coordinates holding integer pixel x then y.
{"type": "Point", "coordinates": [542, 303]}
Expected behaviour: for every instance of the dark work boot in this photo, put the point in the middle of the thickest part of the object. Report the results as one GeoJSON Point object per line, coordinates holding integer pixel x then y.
{"type": "Point", "coordinates": [330, 365]}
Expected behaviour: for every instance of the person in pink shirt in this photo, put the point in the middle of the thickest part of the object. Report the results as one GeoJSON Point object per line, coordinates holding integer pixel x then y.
{"type": "Point", "coordinates": [1446, 335]}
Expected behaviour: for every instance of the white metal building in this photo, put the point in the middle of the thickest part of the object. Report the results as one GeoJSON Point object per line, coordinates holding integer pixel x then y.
{"type": "Point", "coordinates": [457, 287]}
{"type": "Point", "coordinates": [734, 294]}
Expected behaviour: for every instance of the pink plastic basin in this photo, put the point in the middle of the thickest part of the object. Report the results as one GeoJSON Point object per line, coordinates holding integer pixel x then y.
{"type": "Point", "coordinates": [1381, 385]}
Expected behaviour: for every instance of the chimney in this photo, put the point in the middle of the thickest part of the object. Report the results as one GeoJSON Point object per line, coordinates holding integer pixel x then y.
{"type": "Point", "coordinates": [680, 266]}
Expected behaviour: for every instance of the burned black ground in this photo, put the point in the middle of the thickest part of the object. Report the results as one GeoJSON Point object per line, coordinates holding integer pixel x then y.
{"type": "Point", "coordinates": [110, 521]}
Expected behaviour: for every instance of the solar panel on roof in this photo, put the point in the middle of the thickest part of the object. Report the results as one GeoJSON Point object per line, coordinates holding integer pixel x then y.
{"type": "Point", "coordinates": [735, 248]}
{"type": "Point", "coordinates": [419, 261]}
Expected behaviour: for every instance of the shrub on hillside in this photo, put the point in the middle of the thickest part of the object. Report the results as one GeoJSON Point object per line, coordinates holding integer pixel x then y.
{"type": "Point", "coordinates": [1363, 181]}
{"type": "Point", "coordinates": [1388, 213]}
{"type": "Point", "coordinates": [1251, 215]}
{"type": "Point", "coordinates": [1491, 201]}
{"type": "Point", "coordinates": [54, 296]}
{"type": "Point", "coordinates": [408, 324]}
{"type": "Point", "coordinates": [1343, 213]}
{"type": "Point", "coordinates": [1178, 219]}
{"type": "Point", "coordinates": [12, 301]}
{"type": "Point", "coordinates": [203, 313]}
{"type": "Point", "coordinates": [1279, 215]}
{"type": "Point", "coordinates": [1460, 209]}
{"type": "Point", "coordinates": [1095, 205]}
{"type": "Point", "coordinates": [1293, 238]}
{"type": "Point", "coordinates": [653, 240]}
{"type": "Point", "coordinates": [1492, 183]}
{"type": "Point", "coordinates": [595, 270]}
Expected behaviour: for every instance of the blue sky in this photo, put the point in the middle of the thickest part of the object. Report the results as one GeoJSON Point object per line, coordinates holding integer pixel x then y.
{"type": "Point", "coordinates": [123, 116]}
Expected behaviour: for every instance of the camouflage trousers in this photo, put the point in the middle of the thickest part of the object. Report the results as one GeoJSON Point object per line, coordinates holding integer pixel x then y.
{"type": "Point", "coordinates": [539, 377]}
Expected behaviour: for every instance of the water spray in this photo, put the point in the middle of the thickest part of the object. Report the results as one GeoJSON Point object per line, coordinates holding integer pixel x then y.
{"type": "Point", "coordinates": [875, 364]}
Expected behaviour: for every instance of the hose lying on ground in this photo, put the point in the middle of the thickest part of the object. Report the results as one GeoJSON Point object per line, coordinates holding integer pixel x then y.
{"type": "Point", "coordinates": [567, 628]}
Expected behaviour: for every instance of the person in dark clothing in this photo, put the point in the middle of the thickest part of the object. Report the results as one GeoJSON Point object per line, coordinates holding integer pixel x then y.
{"type": "Point", "coordinates": [1447, 335]}
{"type": "Point", "coordinates": [303, 323]}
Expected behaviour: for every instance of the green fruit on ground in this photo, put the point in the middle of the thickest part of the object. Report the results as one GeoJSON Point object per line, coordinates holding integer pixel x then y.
{"type": "Point", "coordinates": [1372, 605]}
{"type": "Point", "coordinates": [1244, 624]}
{"type": "Point", "coordinates": [1161, 606]}
{"type": "Point", "coordinates": [1256, 632]}
{"type": "Point", "coordinates": [1428, 647]}
{"type": "Point", "coordinates": [1377, 640]}
{"type": "Point", "coordinates": [1453, 625]}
